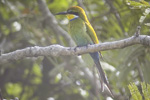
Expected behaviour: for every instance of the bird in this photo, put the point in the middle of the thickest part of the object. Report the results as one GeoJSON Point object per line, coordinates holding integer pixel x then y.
{"type": "Point", "coordinates": [84, 34]}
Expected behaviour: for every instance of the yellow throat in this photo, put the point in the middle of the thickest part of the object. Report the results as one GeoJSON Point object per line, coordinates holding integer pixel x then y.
{"type": "Point", "coordinates": [71, 17]}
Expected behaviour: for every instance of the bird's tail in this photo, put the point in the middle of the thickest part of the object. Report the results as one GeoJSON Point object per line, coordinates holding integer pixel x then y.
{"type": "Point", "coordinates": [102, 75]}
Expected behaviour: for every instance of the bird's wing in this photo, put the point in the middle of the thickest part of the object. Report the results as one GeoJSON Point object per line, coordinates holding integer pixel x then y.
{"type": "Point", "coordinates": [91, 33]}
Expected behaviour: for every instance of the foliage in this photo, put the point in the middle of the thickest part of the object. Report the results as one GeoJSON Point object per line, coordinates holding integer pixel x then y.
{"type": "Point", "coordinates": [136, 94]}
{"type": "Point", "coordinates": [22, 25]}
{"type": "Point", "coordinates": [140, 5]}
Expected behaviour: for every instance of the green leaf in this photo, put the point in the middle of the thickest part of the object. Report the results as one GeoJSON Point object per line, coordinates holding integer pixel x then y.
{"type": "Point", "coordinates": [145, 91]}
{"type": "Point", "coordinates": [13, 89]}
{"type": "Point", "coordinates": [137, 5]}
{"type": "Point", "coordinates": [134, 92]}
{"type": "Point", "coordinates": [37, 72]}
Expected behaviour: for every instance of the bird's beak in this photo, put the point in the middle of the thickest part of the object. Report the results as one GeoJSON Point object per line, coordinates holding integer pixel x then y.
{"type": "Point", "coordinates": [62, 13]}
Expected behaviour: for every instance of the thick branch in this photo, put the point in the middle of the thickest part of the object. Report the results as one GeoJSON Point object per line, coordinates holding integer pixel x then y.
{"type": "Point", "coordinates": [57, 50]}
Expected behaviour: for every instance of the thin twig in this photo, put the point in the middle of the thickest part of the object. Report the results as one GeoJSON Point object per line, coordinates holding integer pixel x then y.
{"type": "Point", "coordinates": [140, 71]}
{"type": "Point", "coordinates": [1, 97]}
{"type": "Point", "coordinates": [137, 33]}
{"type": "Point", "coordinates": [116, 13]}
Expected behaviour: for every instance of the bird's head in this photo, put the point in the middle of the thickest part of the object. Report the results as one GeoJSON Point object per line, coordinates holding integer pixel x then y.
{"type": "Point", "coordinates": [74, 12]}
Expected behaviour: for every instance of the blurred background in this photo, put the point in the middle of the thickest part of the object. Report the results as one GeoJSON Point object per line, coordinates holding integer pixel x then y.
{"type": "Point", "coordinates": [26, 23]}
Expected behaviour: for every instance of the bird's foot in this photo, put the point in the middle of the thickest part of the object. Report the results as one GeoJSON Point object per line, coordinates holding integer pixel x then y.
{"type": "Point", "coordinates": [86, 46]}
{"type": "Point", "coordinates": [75, 49]}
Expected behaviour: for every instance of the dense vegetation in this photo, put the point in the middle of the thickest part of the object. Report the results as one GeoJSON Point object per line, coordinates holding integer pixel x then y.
{"type": "Point", "coordinates": [23, 23]}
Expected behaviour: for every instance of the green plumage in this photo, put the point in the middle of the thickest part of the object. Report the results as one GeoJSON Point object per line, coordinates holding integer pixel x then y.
{"type": "Point", "coordinates": [83, 34]}
{"type": "Point", "coordinates": [78, 32]}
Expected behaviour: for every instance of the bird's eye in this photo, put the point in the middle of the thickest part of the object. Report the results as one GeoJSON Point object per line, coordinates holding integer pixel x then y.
{"type": "Point", "coordinates": [72, 12]}
{"type": "Point", "coordinates": [69, 11]}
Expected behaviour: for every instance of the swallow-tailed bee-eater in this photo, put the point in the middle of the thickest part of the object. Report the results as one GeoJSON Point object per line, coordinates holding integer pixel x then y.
{"type": "Point", "coordinates": [83, 34]}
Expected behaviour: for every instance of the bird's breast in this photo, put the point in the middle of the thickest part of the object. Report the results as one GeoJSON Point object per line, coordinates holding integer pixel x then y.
{"type": "Point", "coordinates": [77, 30]}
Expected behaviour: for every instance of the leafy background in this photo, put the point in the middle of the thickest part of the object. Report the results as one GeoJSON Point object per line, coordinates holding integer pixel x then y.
{"type": "Point", "coordinates": [22, 25]}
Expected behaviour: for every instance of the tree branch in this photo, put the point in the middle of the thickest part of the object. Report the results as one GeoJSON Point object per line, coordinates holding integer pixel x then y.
{"type": "Point", "coordinates": [52, 22]}
{"type": "Point", "coordinates": [57, 50]}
